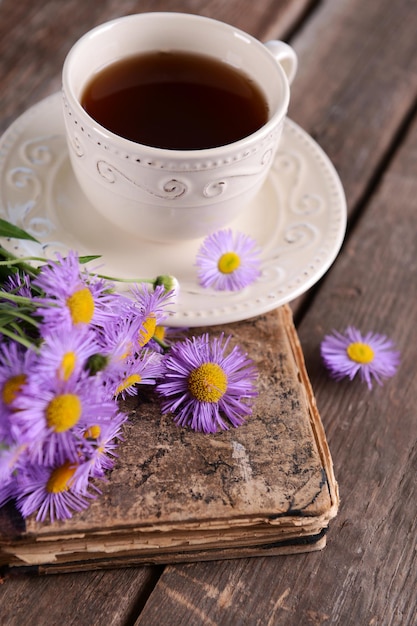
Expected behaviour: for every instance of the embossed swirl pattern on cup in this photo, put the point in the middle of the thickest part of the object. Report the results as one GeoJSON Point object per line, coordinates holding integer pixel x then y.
{"type": "Point", "coordinates": [121, 167]}
{"type": "Point", "coordinates": [41, 158]}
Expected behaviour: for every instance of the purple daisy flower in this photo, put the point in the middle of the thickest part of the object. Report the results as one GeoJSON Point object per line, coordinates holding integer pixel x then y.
{"type": "Point", "coordinates": [370, 356]}
{"type": "Point", "coordinates": [133, 323]}
{"type": "Point", "coordinates": [122, 379]}
{"type": "Point", "coordinates": [52, 415]}
{"type": "Point", "coordinates": [106, 438]}
{"type": "Point", "coordinates": [153, 306]}
{"type": "Point", "coordinates": [143, 370]}
{"type": "Point", "coordinates": [116, 339]}
{"type": "Point", "coordinates": [71, 297]}
{"type": "Point", "coordinates": [50, 492]}
{"type": "Point", "coordinates": [16, 364]}
{"type": "Point", "coordinates": [9, 458]}
{"type": "Point", "coordinates": [64, 355]}
{"type": "Point", "coordinates": [228, 261]}
{"type": "Point", "coordinates": [203, 385]}
{"type": "Point", "coordinates": [19, 284]}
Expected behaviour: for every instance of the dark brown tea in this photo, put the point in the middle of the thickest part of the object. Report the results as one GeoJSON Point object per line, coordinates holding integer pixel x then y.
{"type": "Point", "coordinates": [175, 100]}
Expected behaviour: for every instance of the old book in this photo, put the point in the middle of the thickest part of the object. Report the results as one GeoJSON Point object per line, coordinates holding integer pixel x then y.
{"type": "Point", "coordinates": [265, 488]}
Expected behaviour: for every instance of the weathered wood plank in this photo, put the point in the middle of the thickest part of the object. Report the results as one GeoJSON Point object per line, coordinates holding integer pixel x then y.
{"type": "Point", "coordinates": [355, 87]}
{"type": "Point", "coordinates": [373, 435]}
{"type": "Point", "coordinates": [94, 598]}
{"type": "Point", "coordinates": [357, 82]}
{"type": "Point", "coordinates": [341, 583]}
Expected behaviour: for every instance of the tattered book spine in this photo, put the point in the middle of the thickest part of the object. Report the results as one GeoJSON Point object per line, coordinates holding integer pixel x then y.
{"type": "Point", "coordinates": [267, 487]}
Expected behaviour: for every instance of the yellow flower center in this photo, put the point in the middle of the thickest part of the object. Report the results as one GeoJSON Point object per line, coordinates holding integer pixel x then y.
{"type": "Point", "coordinates": [131, 380]}
{"type": "Point", "coordinates": [60, 478]}
{"type": "Point", "coordinates": [81, 306]}
{"type": "Point", "coordinates": [360, 352]}
{"type": "Point", "coordinates": [228, 262]}
{"type": "Point", "coordinates": [93, 432]}
{"type": "Point", "coordinates": [147, 331]}
{"type": "Point", "coordinates": [159, 333]}
{"type": "Point", "coordinates": [11, 388]}
{"type": "Point", "coordinates": [63, 412]}
{"type": "Point", "coordinates": [67, 365]}
{"type": "Point", "coordinates": [208, 382]}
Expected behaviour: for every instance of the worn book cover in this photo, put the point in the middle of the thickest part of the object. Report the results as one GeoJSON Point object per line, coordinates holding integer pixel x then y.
{"type": "Point", "coordinates": [175, 495]}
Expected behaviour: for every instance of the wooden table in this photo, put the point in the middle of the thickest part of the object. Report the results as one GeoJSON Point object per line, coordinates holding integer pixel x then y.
{"type": "Point", "coordinates": [355, 93]}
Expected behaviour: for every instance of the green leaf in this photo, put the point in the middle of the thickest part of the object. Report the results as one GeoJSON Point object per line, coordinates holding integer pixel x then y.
{"type": "Point", "coordinates": [10, 230]}
{"type": "Point", "coordinates": [91, 257]}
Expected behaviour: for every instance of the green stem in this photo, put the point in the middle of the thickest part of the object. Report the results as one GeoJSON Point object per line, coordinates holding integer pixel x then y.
{"type": "Point", "coordinates": [113, 279]}
{"type": "Point", "coordinates": [11, 259]}
{"type": "Point", "coordinates": [165, 280]}
{"type": "Point", "coordinates": [15, 313]}
{"type": "Point", "coordinates": [17, 261]}
{"type": "Point", "coordinates": [162, 344]}
{"type": "Point", "coordinates": [17, 338]}
{"type": "Point", "coordinates": [7, 295]}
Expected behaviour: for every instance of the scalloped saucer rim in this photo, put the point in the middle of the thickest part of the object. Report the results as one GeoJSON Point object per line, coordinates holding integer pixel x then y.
{"type": "Point", "coordinates": [298, 218]}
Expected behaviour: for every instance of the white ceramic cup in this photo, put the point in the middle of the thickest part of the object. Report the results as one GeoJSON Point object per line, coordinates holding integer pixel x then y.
{"type": "Point", "coordinates": [171, 195]}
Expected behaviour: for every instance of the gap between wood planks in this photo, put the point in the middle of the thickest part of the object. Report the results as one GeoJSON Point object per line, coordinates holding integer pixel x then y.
{"type": "Point", "coordinates": [146, 591]}
{"type": "Point", "coordinates": [302, 18]}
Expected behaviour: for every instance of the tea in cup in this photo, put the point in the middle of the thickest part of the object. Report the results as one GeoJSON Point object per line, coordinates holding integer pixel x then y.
{"type": "Point", "coordinates": [173, 120]}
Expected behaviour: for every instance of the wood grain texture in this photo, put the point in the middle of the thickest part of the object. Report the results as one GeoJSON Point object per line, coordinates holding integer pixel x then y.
{"type": "Point", "coordinates": [356, 83]}
{"type": "Point", "coordinates": [355, 92]}
{"type": "Point", "coordinates": [95, 598]}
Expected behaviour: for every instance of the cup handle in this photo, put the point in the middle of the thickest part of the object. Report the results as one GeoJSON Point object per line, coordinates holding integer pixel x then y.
{"type": "Point", "coordinates": [285, 55]}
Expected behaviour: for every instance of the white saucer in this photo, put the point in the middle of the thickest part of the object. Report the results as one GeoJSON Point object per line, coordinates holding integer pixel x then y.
{"type": "Point", "coordinates": [298, 219]}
